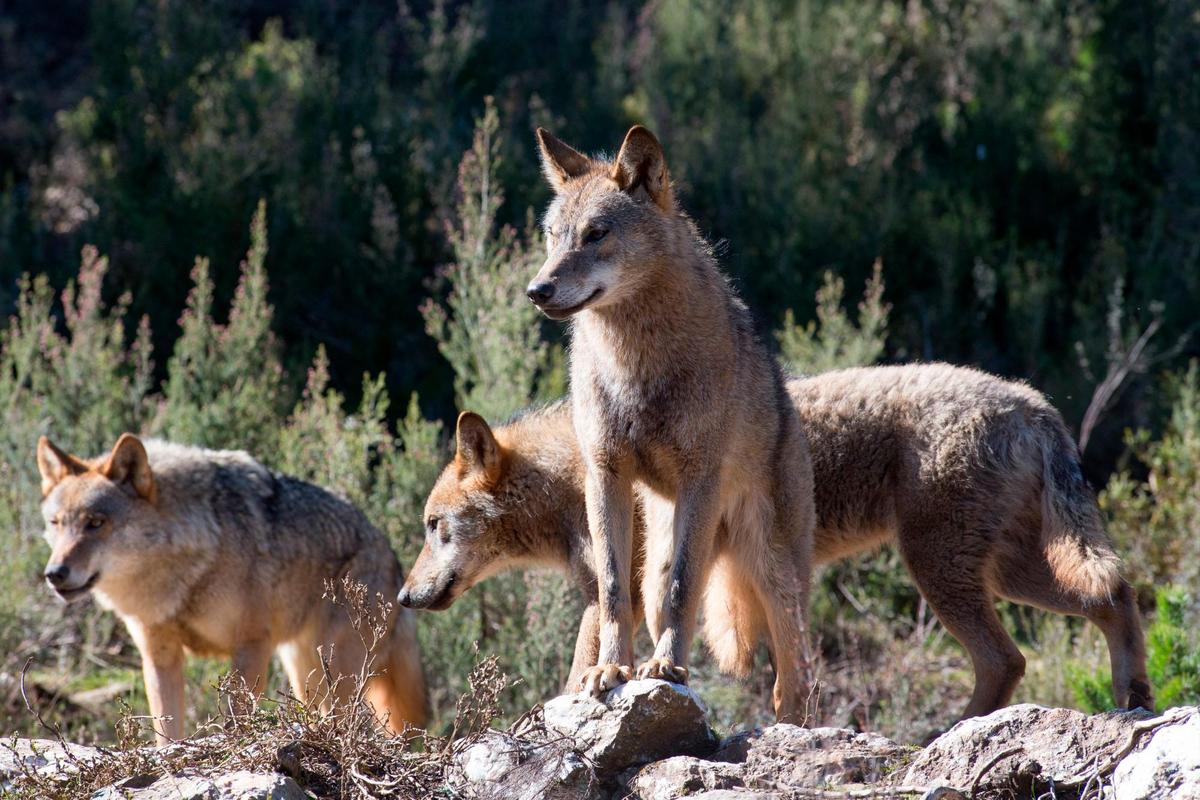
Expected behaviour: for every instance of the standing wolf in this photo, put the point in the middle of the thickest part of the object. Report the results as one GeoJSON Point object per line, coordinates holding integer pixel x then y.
{"type": "Point", "coordinates": [975, 478]}
{"type": "Point", "coordinates": [673, 395]}
{"type": "Point", "coordinates": [210, 552]}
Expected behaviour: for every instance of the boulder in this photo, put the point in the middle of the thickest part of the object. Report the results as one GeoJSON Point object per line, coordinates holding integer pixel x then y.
{"type": "Point", "coordinates": [43, 756]}
{"type": "Point", "coordinates": [681, 776]}
{"type": "Point", "coordinates": [1167, 766]}
{"type": "Point", "coordinates": [187, 785]}
{"type": "Point", "coordinates": [500, 765]}
{"type": "Point", "coordinates": [636, 723]}
{"type": "Point", "coordinates": [1022, 749]}
{"type": "Point", "coordinates": [786, 756]}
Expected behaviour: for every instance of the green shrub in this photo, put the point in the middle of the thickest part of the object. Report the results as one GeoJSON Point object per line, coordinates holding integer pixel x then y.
{"type": "Point", "coordinates": [833, 340]}
{"type": "Point", "coordinates": [225, 385]}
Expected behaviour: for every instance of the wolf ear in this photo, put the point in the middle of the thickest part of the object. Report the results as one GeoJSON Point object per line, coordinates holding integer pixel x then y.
{"type": "Point", "coordinates": [560, 161]}
{"type": "Point", "coordinates": [478, 450]}
{"type": "Point", "coordinates": [642, 165]}
{"type": "Point", "coordinates": [55, 464]}
{"type": "Point", "coordinates": [127, 463]}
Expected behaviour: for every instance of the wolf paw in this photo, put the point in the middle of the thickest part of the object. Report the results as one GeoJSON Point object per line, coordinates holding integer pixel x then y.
{"type": "Point", "coordinates": [664, 669]}
{"type": "Point", "coordinates": [599, 679]}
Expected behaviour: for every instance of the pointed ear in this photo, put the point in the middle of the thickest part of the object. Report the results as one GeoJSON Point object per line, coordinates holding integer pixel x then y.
{"type": "Point", "coordinates": [642, 165]}
{"type": "Point", "coordinates": [478, 450]}
{"type": "Point", "coordinates": [127, 463]}
{"type": "Point", "coordinates": [55, 464]}
{"type": "Point", "coordinates": [560, 162]}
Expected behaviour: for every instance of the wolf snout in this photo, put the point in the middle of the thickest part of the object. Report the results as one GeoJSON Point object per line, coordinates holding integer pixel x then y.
{"type": "Point", "coordinates": [405, 597]}
{"type": "Point", "coordinates": [540, 292]}
{"type": "Point", "coordinates": [57, 574]}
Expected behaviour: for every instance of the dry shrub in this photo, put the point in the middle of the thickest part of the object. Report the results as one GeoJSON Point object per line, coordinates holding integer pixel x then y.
{"type": "Point", "coordinates": [340, 753]}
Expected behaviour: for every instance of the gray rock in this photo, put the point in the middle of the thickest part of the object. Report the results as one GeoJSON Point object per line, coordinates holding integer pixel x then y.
{"type": "Point", "coordinates": [44, 756]}
{"type": "Point", "coordinates": [1022, 749]}
{"type": "Point", "coordinates": [500, 765]}
{"type": "Point", "coordinates": [786, 756]}
{"type": "Point", "coordinates": [636, 723]}
{"type": "Point", "coordinates": [1167, 766]}
{"type": "Point", "coordinates": [681, 776]}
{"type": "Point", "coordinates": [240, 785]}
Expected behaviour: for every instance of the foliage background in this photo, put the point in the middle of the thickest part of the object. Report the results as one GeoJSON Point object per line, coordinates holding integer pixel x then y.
{"type": "Point", "coordinates": [1014, 183]}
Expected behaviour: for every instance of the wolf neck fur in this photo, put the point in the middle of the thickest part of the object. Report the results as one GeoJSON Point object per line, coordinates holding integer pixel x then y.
{"type": "Point", "coordinates": [683, 301]}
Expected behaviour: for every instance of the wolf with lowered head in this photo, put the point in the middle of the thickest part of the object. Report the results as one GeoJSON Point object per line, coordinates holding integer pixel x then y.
{"type": "Point", "coordinates": [210, 552]}
{"type": "Point", "coordinates": [974, 478]}
{"type": "Point", "coordinates": [674, 397]}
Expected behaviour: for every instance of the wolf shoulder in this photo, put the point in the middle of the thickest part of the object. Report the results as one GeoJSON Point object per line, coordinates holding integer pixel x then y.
{"type": "Point", "coordinates": [231, 490]}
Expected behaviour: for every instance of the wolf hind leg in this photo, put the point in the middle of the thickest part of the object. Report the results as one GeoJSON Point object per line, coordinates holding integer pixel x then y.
{"type": "Point", "coordinates": [956, 588]}
{"type": "Point", "coordinates": [1032, 581]}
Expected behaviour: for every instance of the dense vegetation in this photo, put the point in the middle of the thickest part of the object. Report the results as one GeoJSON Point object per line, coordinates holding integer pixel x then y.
{"type": "Point", "coordinates": [1015, 184]}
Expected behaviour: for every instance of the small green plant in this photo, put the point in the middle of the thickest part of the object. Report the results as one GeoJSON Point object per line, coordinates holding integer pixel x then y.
{"type": "Point", "coordinates": [225, 382]}
{"type": "Point", "coordinates": [833, 340]}
{"type": "Point", "coordinates": [487, 330]}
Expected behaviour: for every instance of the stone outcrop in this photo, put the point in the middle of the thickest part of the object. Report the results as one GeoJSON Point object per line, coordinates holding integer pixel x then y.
{"type": "Point", "coordinates": [650, 740]}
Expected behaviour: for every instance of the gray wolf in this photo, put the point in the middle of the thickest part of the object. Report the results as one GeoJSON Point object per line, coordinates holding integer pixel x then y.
{"type": "Point", "coordinates": [675, 398]}
{"type": "Point", "coordinates": [211, 553]}
{"type": "Point", "coordinates": [976, 478]}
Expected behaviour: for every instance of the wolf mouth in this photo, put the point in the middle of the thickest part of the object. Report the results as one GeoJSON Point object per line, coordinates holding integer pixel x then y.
{"type": "Point", "coordinates": [446, 598]}
{"type": "Point", "coordinates": [563, 313]}
{"type": "Point", "coordinates": [76, 592]}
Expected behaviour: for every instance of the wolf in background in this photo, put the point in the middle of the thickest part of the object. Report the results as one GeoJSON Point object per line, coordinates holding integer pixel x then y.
{"type": "Point", "coordinates": [976, 479]}
{"type": "Point", "coordinates": [211, 553]}
{"type": "Point", "coordinates": [676, 399]}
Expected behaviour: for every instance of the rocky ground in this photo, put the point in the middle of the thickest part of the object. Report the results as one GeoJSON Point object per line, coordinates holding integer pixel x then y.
{"type": "Point", "coordinates": [650, 740]}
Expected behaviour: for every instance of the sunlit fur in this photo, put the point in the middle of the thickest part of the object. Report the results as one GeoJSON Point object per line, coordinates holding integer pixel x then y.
{"type": "Point", "coordinates": [676, 399]}
{"type": "Point", "coordinates": [211, 553]}
{"type": "Point", "coordinates": [974, 477]}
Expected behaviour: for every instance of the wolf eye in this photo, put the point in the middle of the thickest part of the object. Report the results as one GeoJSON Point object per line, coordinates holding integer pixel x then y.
{"type": "Point", "coordinates": [54, 522]}
{"type": "Point", "coordinates": [95, 523]}
{"type": "Point", "coordinates": [594, 235]}
{"type": "Point", "coordinates": [432, 523]}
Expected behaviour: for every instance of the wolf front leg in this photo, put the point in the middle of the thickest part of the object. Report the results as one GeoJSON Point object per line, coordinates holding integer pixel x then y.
{"type": "Point", "coordinates": [162, 670]}
{"type": "Point", "coordinates": [609, 496]}
{"type": "Point", "coordinates": [587, 645]}
{"type": "Point", "coordinates": [251, 661]}
{"type": "Point", "coordinates": [676, 578]}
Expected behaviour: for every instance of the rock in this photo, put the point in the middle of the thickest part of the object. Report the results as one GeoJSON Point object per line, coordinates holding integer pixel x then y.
{"type": "Point", "coordinates": [681, 776]}
{"type": "Point", "coordinates": [500, 765]}
{"type": "Point", "coordinates": [1167, 767]}
{"type": "Point", "coordinates": [44, 756]}
{"type": "Point", "coordinates": [636, 723]}
{"type": "Point", "coordinates": [1022, 749]}
{"type": "Point", "coordinates": [786, 756]}
{"type": "Point", "coordinates": [240, 785]}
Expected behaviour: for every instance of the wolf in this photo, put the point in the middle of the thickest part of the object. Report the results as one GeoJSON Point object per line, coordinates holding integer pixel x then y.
{"type": "Point", "coordinates": [976, 478]}
{"type": "Point", "coordinates": [675, 398]}
{"type": "Point", "coordinates": [209, 552]}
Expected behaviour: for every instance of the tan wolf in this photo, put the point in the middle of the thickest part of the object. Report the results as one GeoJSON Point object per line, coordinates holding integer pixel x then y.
{"type": "Point", "coordinates": [675, 397]}
{"type": "Point", "coordinates": [211, 553]}
{"type": "Point", "coordinates": [975, 477]}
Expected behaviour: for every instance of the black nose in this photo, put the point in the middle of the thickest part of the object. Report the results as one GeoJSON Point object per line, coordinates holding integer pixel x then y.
{"type": "Point", "coordinates": [57, 574]}
{"type": "Point", "coordinates": [405, 597]}
{"type": "Point", "coordinates": [540, 292]}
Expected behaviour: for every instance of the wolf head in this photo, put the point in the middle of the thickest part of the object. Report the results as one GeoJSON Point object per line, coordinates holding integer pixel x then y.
{"type": "Point", "coordinates": [609, 225]}
{"type": "Point", "coordinates": [94, 512]}
{"type": "Point", "coordinates": [466, 521]}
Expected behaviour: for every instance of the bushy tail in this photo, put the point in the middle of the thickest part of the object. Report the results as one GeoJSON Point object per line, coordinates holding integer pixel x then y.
{"type": "Point", "coordinates": [1078, 549]}
{"type": "Point", "coordinates": [733, 618]}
